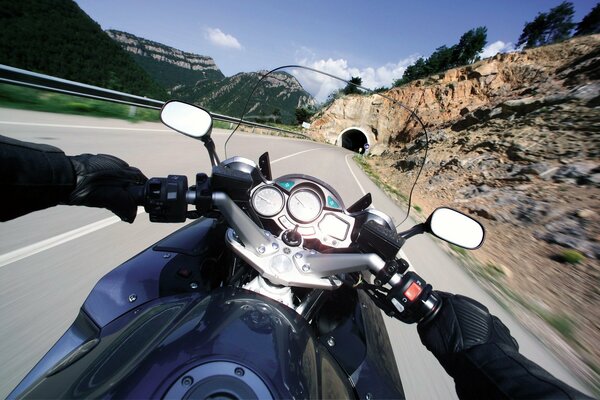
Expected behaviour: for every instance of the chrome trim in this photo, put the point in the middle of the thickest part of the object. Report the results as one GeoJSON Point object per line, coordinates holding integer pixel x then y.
{"type": "Point", "coordinates": [332, 264]}
{"type": "Point", "coordinates": [238, 159]}
{"type": "Point", "coordinates": [278, 267]}
{"type": "Point", "coordinates": [258, 241]}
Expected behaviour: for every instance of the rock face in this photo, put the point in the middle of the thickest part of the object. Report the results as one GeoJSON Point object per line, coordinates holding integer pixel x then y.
{"type": "Point", "coordinates": [513, 83]}
{"type": "Point", "coordinates": [204, 66]}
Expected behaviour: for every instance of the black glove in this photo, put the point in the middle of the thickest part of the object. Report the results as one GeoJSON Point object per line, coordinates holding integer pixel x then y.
{"type": "Point", "coordinates": [102, 181]}
{"type": "Point", "coordinates": [462, 323]}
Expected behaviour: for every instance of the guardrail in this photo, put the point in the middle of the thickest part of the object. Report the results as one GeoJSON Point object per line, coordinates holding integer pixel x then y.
{"type": "Point", "coordinates": [21, 77]}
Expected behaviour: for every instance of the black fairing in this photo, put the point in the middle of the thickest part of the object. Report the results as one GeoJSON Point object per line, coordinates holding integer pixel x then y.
{"type": "Point", "coordinates": [146, 351]}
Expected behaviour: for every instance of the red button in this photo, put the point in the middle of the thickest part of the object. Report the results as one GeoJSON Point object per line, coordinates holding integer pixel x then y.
{"type": "Point", "coordinates": [184, 272]}
{"type": "Point", "coordinates": [413, 291]}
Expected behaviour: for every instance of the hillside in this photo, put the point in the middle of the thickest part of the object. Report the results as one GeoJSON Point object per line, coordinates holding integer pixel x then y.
{"type": "Point", "coordinates": [196, 79]}
{"type": "Point", "coordinates": [56, 37]}
{"type": "Point", "coordinates": [276, 98]}
{"type": "Point", "coordinates": [170, 67]}
{"type": "Point", "coordinates": [515, 142]}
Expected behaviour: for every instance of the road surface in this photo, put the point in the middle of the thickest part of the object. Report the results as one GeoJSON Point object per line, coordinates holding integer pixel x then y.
{"type": "Point", "coordinates": [51, 259]}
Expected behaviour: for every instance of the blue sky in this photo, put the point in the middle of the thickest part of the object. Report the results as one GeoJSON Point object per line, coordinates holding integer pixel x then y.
{"type": "Point", "coordinates": [373, 39]}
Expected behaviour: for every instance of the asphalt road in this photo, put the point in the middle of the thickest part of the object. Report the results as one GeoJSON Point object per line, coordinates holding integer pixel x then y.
{"type": "Point", "coordinates": [51, 259]}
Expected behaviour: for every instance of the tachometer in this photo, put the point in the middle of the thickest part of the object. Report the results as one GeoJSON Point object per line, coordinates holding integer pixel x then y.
{"type": "Point", "coordinates": [267, 201]}
{"type": "Point", "coordinates": [304, 205]}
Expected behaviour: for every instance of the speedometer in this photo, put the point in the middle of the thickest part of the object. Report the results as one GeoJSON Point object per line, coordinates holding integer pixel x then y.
{"type": "Point", "coordinates": [304, 205]}
{"type": "Point", "coordinates": [267, 201]}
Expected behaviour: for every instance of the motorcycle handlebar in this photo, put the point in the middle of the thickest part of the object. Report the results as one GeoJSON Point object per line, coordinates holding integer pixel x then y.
{"type": "Point", "coordinates": [410, 300]}
{"type": "Point", "coordinates": [137, 193]}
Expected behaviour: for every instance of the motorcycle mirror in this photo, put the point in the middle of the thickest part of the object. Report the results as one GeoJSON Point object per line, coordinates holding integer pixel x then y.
{"type": "Point", "coordinates": [188, 119]}
{"type": "Point", "coordinates": [456, 228]}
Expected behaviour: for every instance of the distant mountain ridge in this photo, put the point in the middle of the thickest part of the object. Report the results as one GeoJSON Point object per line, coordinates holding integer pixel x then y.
{"type": "Point", "coordinates": [275, 99]}
{"type": "Point", "coordinates": [169, 66]}
{"type": "Point", "coordinates": [197, 79]}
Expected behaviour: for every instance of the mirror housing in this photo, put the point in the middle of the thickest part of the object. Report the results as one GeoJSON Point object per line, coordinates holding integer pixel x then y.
{"type": "Point", "coordinates": [456, 228]}
{"type": "Point", "coordinates": [188, 119]}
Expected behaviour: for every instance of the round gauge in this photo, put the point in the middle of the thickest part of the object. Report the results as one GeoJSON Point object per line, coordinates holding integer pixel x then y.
{"type": "Point", "coordinates": [267, 201]}
{"type": "Point", "coordinates": [304, 205]}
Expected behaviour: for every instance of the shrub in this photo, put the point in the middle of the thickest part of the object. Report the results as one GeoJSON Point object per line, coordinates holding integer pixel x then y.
{"type": "Point", "coordinates": [572, 256]}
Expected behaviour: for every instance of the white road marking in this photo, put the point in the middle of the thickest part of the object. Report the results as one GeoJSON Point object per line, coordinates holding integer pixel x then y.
{"type": "Point", "coordinates": [43, 245]}
{"type": "Point", "coordinates": [113, 128]}
{"type": "Point", "coordinates": [296, 154]}
{"type": "Point", "coordinates": [352, 172]}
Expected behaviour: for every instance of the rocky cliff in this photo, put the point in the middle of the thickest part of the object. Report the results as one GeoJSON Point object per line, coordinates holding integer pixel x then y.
{"type": "Point", "coordinates": [171, 67]}
{"type": "Point", "coordinates": [514, 141]}
{"type": "Point", "coordinates": [454, 96]}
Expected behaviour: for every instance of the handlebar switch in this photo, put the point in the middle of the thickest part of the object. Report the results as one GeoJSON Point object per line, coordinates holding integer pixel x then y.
{"type": "Point", "coordinates": [165, 198]}
{"type": "Point", "coordinates": [413, 299]}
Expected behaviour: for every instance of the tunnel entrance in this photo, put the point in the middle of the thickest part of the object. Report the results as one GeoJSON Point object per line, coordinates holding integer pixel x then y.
{"type": "Point", "coordinates": [353, 139]}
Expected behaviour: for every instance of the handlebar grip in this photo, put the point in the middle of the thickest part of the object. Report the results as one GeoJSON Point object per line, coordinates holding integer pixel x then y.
{"type": "Point", "coordinates": [137, 192]}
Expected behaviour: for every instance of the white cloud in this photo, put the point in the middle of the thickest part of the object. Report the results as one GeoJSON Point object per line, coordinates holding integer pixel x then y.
{"type": "Point", "coordinates": [221, 39]}
{"type": "Point", "coordinates": [320, 86]}
{"type": "Point", "coordinates": [497, 47]}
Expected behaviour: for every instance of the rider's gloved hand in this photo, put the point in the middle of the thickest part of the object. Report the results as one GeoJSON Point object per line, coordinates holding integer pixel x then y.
{"type": "Point", "coordinates": [461, 324]}
{"type": "Point", "coordinates": [102, 181]}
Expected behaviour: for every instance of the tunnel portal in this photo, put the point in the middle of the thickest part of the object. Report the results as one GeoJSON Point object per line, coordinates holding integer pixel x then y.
{"type": "Point", "coordinates": [353, 139]}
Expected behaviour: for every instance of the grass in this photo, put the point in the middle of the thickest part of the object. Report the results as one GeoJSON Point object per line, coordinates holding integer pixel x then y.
{"type": "Point", "coordinates": [494, 270]}
{"type": "Point", "coordinates": [562, 323]}
{"type": "Point", "coordinates": [39, 100]}
{"type": "Point", "coordinates": [571, 256]}
{"type": "Point", "coordinates": [459, 250]}
{"type": "Point", "coordinates": [374, 176]}
{"type": "Point", "coordinates": [417, 208]}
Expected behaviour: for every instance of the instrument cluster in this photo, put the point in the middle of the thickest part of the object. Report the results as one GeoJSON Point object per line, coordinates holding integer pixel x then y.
{"type": "Point", "coordinates": [304, 202]}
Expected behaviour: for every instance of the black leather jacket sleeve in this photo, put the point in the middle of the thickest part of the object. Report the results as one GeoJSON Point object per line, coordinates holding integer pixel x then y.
{"type": "Point", "coordinates": [478, 351]}
{"type": "Point", "coordinates": [494, 371]}
{"type": "Point", "coordinates": [34, 177]}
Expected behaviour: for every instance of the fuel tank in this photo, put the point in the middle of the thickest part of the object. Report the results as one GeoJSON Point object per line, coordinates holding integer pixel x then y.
{"type": "Point", "coordinates": [228, 343]}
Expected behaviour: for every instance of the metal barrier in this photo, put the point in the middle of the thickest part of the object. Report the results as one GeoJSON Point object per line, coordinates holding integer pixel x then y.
{"type": "Point", "coordinates": [21, 77]}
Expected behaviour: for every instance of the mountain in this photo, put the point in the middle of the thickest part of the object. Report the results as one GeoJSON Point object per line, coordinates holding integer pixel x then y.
{"type": "Point", "coordinates": [197, 79]}
{"type": "Point", "coordinates": [275, 99]}
{"type": "Point", "coordinates": [514, 141]}
{"type": "Point", "coordinates": [56, 37]}
{"type": "Point", "coordinates": [169, 66]}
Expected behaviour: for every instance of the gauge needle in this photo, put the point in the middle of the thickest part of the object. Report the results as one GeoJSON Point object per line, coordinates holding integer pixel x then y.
{"type": "Point", "coordinates": [299, 201]}
{"type": "Point", "coordinates": [265, 199]}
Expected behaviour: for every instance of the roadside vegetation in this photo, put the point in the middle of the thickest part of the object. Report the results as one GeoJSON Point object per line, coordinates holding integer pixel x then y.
{"type": "Point", "coordinates": [39, 100]}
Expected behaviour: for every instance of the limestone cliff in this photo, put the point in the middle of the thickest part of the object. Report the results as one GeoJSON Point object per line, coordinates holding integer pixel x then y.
{"type": "Point", "coordinates": [446, 98]}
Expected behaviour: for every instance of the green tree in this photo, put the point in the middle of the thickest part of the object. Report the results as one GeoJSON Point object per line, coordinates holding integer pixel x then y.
{"type": "Point", "coordinates": [350, 87]}
{"type": "Point", "coordinates": [441, 58]}
{"type": "Point", "coordinates": [303, 114]}
{"type": "Point", "coordinates": [471, 43]}
{"type": "Point", "coordinates": [466, 51]}
{"type": "Point", "coordinates": [590, 23]}
{"type": "Point", "coordinates": [547, 28]}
